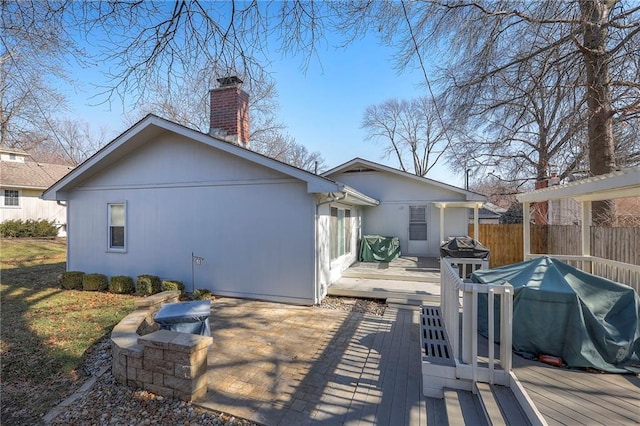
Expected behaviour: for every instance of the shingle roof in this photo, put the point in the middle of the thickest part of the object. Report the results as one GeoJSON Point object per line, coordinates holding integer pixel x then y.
{"type": "Point", "coordinates": [30, 174]}
{"type": "Point", "coordinates": [4, 148]}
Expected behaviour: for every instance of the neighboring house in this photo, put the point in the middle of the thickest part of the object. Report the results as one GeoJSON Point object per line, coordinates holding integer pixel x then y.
{"type": "Point", "coordinates": [22, 181]}
{"type": "Point", "coordinates": [409, 205]}
{"type": "Point", "coordinates": [488, 214]}
{"type": "Point", "coordinates": [161, 197]}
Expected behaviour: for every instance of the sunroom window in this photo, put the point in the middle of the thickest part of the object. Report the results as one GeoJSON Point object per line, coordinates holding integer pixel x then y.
{"type": "Point", "coordinates": [340, 232]}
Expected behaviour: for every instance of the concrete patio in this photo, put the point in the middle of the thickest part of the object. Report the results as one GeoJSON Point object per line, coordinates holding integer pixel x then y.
{"type": "Point", "coordinates": [281, 365]}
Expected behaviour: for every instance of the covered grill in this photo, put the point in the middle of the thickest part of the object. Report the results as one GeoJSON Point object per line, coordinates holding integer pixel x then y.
{"type": "Point", "coordinates": [186, 317]}
{"type": "Point", "coordinates": [463, 247]}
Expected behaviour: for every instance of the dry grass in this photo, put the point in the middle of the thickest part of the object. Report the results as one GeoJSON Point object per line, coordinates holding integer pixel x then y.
{"type": "Point", "coordinates": [45, 329]}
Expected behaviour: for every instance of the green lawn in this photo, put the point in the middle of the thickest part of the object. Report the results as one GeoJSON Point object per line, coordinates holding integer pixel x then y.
{"type": "Point", "coordinates": [45, 330]}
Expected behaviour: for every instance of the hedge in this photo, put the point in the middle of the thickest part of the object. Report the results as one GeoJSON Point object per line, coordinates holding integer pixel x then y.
{"type": "Point", "coordinates": [121, 284]}
{"type": "Point", "coordinates": [171, 285]}
{"type": "Point", "coordinates": [17, 228]}
{"type": "Point", "coordinates": [148, 284]}
{"type": "Point", "coordinates": [94, 282]}
{"type": "Point", "coordinates": [201, 294]}
{"type": "Point", "coordinates": [72, 280]}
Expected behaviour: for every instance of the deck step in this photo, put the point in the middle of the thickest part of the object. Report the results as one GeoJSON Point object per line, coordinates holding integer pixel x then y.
{"type": "Point", "coordinates": [412, 302]}
{"type": "Point", "coordinates": [426, 276]}
{"type": "Point", "coordinates": [463, 408]}
{"type": "Point", "coordinates": [396, 296]}
{"type": "Point", "coordinates": [500, 405]}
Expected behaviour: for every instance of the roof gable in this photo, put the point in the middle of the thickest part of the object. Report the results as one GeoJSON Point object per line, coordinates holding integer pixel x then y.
{"type": "Point", "coordinates": [152, 127]}
{"type": "Point", "coordinates": [361, 165]}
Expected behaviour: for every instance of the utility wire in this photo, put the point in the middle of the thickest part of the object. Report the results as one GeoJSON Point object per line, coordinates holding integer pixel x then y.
{"type": "Point", "coordinates": [426, 79]}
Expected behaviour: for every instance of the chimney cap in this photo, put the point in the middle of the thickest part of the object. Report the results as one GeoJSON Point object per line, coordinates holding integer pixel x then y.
{"type": "Point", "coordinates": [229, 81]}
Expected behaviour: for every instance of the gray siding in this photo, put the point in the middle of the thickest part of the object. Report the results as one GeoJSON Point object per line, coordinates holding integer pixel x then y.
{"type": "Point", "coordinates": [396, 194]}
{"type": "Point", "coordinates": [253, 226]}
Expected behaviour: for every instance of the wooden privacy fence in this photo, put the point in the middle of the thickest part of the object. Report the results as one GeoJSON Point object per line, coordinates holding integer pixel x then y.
{"type": "Point", "coordinates": [506, 242]}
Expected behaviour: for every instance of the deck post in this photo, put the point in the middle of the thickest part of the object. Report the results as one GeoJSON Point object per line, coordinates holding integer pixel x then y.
{"type": "Point", "coordinates": [476, 222]}
{"type": "Point", "coordinates": [467, 327]}
{"type": "Point", "coordinates": [526, 229]}
{"type": "Point", "coordinates": [586, 228]}
{"type": "Point", "coordinates": [442, 207]}
{"type": "Point", "coordinates": [585, 242]}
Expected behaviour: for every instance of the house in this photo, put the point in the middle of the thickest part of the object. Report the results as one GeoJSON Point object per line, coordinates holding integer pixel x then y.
{"type": "Point", "coordinates": [204, 209]}
{"type": "Point", "coordinates": [411, 207]}
{"type": "Point", "coordinates": [22, 181]}
{"type": "Point", "coordinates": [488, 214]}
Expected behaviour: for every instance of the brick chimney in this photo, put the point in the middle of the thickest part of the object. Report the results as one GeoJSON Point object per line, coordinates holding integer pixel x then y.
{"type": "Point", "coordinates": [229, 117]}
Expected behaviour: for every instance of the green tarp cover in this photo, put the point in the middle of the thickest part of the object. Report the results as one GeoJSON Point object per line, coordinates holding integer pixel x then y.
{"type": "Point", "coordinates": [559, 310]}
{"type": "Point", "coordinates": [374, 248]}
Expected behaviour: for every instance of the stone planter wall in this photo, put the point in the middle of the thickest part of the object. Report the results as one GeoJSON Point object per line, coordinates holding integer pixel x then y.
{"type": "Point", "coordinates": [164, 362]}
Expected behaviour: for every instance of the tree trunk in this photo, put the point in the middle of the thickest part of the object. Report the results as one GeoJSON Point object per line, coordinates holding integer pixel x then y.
{"type": "Point", "coordinates": [600, 126]}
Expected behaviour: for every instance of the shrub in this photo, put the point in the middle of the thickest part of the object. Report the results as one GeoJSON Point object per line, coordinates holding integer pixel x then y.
{"type": "Point", "coordinates": [94, 282]}
{"type": "Point", "coordinates": [201, 294]}
{"type": "Point", "coordinates": [28, 229]}
{"type": "Point", "coordinates": [148, 284]}
{"type": "Point", "coordinates": [72, 280]}
{"type": "Point", "coordinates": [170, 285]}
{"type": "Point", "coordinates": [121, 284]}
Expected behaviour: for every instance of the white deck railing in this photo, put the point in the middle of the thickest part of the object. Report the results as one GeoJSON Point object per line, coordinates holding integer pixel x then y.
{"type": "Point", "coordinates": [623, 273]}
{"type": "Point", "coordinates": [464, 340]}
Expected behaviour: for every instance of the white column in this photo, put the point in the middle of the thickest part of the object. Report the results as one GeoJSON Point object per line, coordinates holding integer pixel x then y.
{"type": "Point", "coordinates": [586, 228]}
{"type": "Point", "coordinates": [442, 207]}
{"type": "Point", "coordinates": [476, 222]}
{"type": "Point", "coordinates": [526, 229]}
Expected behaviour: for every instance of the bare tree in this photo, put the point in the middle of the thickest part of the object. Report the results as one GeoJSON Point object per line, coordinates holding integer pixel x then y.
{"type": "Point", "coordinates": [159, 41]}
{"type": "Point", "coordinates": [34, 46]}
{"type": "Point", "coordinates": [410, 132]}
{"type": "Point", "coordinates": [187, 103]}
{"type": "Point", "coordinates": [488, 39]}
{"type": "Point", "coordinates": [479, 40]}
{"type": "Point", "coordinates": [526, 125]}
{"type": "Point", "coordinates": [498, 191]}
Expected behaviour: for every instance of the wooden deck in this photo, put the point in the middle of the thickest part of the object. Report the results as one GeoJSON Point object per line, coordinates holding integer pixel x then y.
{"type": "Point", "coordinates": [405, 279]}
{"type": "Point", "coordinates": [563, 397]}
{"type": "Point", "coordinates": [286, 365]}
{"type": "Point", "coordinates": [569, 397]}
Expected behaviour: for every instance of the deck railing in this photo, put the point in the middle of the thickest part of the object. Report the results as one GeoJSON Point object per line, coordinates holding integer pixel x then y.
{"type": "Point", "coordinates": [464, 340]}
{"type": "Point", "coordinates": [624, 273]}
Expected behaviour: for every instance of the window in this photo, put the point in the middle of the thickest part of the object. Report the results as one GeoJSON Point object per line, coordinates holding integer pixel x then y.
{"type": "Point", "coordinates": [11, 198]}
{"type": "Point", "coordinates": [340, 232]}
{"type": "Point", "coordinates": [117, 225]}
{"type": "Point", "coordinates": [418, 223]}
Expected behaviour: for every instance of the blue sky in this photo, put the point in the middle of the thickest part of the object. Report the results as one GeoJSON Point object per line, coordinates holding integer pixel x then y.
{"type": "Point", "coordinates": [322, 106]}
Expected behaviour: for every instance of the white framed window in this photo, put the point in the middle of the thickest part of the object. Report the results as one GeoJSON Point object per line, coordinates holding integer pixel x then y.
{"type": "Point", "coordinates": [11, 198]}
{"type": "Point", "coordinates": [340, 232]}
{"type": "Point", "coordinates": [117, 232]}
{"type": "Point", "coordinates": [417, 223]}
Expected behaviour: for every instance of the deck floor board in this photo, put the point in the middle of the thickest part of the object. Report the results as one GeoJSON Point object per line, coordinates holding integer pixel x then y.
{"type": "Point", "coordinates": [566, 396]}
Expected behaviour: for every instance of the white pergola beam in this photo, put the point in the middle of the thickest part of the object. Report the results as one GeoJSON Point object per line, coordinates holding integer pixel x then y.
{"type": "Point", "coordinates": [475, 205]}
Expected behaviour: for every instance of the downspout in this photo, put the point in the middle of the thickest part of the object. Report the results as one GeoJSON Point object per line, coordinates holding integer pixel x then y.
{"type": "Point", "coordinates": [331, 199]}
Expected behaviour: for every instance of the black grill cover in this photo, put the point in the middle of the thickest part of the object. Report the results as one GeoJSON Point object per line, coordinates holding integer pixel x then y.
{"type": "Point", "coordinates": [460, 247]}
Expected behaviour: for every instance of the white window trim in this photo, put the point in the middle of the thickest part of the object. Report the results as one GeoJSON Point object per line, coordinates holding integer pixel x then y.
{"type": "Point", "coordinates": [426, 222]}
{"type": "Point", "coordinates": [117, 249]}
{"type": "Point", "coordinates": [344, 232]}
{"type": "Point", "coordinates": [19, 206]}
